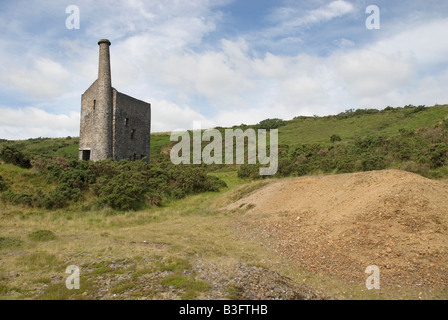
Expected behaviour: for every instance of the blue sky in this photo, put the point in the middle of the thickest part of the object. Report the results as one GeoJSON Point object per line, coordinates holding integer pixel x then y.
{"type": "Point", "coordinates": [222, 62]}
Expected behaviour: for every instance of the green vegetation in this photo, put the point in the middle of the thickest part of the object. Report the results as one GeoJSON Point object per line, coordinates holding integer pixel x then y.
{"type": "Point", "coordinates": [42, 235]}
{"type": "Point", "coordinates": [356, 124]}
{"type": "Point", "coordinates": [15, 157]}
{"type": "Point", "coordinates": [424, 151]}
{"type": "Point", "coordinates": [142, 230]}
{"type": "Point", "coordinates": [270, 124]}
{"type": "Point", "coordinates": [410, 138]}
{"type": "Point", "coordinates": [10, 243]}
{"type": "Point", "coordinates": [3, 184]}
{"type": "Point", "coordinates": [191, 286]}
{"type": "Point", "coordinates": [63, 147]}
{"type": "Point", "coordinates": [122, 185]}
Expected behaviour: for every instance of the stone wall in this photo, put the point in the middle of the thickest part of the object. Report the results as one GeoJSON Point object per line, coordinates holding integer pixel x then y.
{"type": "Point", "coordinates": [132, 128]}
{"type": "Point", "coordinates": [88, 101]}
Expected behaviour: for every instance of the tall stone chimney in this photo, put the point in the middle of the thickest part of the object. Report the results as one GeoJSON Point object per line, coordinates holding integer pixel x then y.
{"type": "Point", "coordinates": [103, 134]}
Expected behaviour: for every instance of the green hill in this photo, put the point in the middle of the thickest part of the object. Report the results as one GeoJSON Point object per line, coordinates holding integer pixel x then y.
{"type": "Point", "coordinates": [360, 123]}
{"type": "Point", "coordinates": [349, 126]}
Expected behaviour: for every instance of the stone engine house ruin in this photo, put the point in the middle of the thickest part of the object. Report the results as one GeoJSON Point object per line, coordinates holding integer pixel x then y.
{"type": "Point", "coordinates": [113, 125]}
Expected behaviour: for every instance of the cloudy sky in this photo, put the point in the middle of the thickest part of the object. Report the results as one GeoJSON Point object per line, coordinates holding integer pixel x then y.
{"type": "Point", "coordinates": [223, 62]}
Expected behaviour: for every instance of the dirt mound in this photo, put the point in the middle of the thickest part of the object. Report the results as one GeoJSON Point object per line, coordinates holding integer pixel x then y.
{"type": "Point", "coordinates": [341, 224]}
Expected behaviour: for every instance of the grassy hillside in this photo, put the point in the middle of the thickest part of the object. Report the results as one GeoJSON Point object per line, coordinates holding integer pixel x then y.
{"type": "Point", "coordinates": [350, 125]}
{"type": "Point", "coordinates": [307, 130]}
{"type": "Point", "coordinates": [183, 245]}
{"type": "Point", "coordinates": [64, 147]}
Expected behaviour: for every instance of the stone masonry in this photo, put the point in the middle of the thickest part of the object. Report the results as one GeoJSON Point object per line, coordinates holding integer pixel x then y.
{"type": "Point", "coordinates": [113, 125]}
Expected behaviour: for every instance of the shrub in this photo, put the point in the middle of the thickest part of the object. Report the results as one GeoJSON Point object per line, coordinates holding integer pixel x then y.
{"type": "Point", "coordinates": [19, 198]}
{"type": "Point", "coordinates": [270, 124]}
{"type": "Point", "coordinates": [249, 171]}
{"type": "Point", "coordinates": [153, 199]}
{"type": "Point", "coordinates": [419, 168]}
{"type": "Point", "coordinates": [302, 170]}
{"type": "Point", "coordinates": [13, 156]}
{"type": "Point", "coordinates": [345, 165]}
{"type": "Point", "coordinates": [285, 167]}
{"type": "Point", "coordinates": [121, 194]}
{"type": "Point", "coordinates": [415, 109]}
{"type": "Point", "coordinates": [75, 178]}
{"type": "Point", "coordinates": [55, 200]}
{"type": "Point", "coordinates": [368, 143]}
{"type": "Point", "coordinates": [335, 138]}
{"type": "Point", "coordinates": [194, 180]}
{"type": "Point", "coordinates": [43, 162]}
{"type": "Point", "coordinates": [370, 163]}
{"type": "Point", "coordinates": [3, 184]}
{"type": "Point", "coordinates": [438, 155]}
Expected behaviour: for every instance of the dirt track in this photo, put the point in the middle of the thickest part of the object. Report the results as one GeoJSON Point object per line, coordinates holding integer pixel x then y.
{"type": "Point", "coordinates": [341, 224]}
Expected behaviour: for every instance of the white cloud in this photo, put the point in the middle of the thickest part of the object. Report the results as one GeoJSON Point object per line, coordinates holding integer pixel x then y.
{"type": "Point", "coordinates": [366, 73]}
{"type": "Point", "coordinates": [212, 74]}
{"type": "Point", "coordinates": [289, 19]}
{"type": "Point", "coordinates": [333, 10]}
{"type": "Point", "coordinates": [427, 43]}
{"type": "Point", "coordinates": [168, 116]}
{"type": "Point", "coordinates": [45, 79]}
{"type": "Point", "coordinates": [30, 122]}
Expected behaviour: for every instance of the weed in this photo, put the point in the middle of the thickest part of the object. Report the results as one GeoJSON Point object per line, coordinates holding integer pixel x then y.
{"type": "Point", "coordinates": [42, 235]}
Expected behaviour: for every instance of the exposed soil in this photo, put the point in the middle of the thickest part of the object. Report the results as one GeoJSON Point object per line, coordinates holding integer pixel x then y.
{"type": "Point", "coordinates": [341, 224]}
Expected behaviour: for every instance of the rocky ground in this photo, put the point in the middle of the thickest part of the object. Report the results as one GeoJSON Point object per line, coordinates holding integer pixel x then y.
{"type": "Point", "coordinates": [246, 282]}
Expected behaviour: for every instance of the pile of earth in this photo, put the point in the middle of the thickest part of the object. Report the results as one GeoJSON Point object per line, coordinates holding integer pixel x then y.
{"type": "Point", "coordinates": [341, 224]}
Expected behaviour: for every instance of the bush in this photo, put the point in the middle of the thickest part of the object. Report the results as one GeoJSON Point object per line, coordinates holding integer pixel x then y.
{"type": "Point", "coordinates": [419, 168]}
{"type": "Point", "coordinates": [285, 167]}
{"type": "Point", "coordinates": [43, 162]}
{"type": "Point", "coordinates": [153, 199]}
{"type": "Point", "coordinates": [414, 109]}
{"type": "Point", "coordinates": [13, 156]}
{"type": "Point", "coordinates": [270, 124]}
{"type": "Point", "coordinates": [370, 163]}
{"type": "Point", "coordinates": [335, 138]}
{"type": "Point", "coordinates": [19, 198]}
{"type": "Point", "coordinates": [345, 165]}
{"type": "Point", "coordinates": [249, 171]}
{"type": "Point", "coordinates": [122, 192]}
{"type": "Point", "coordinates": [122, 185]}
{"type": "Point", "coordinates": [438, 155]}
{"type": "Point", "coordinates": [56, 200]}
{"type": "Point", "coordinates": [3, 184]}
{"type": "Point", "coordinates": [302, 170]}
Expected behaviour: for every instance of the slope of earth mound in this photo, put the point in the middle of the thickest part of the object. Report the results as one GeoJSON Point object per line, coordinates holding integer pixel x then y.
{"type": "Point", "coordinates": [344, 223]}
